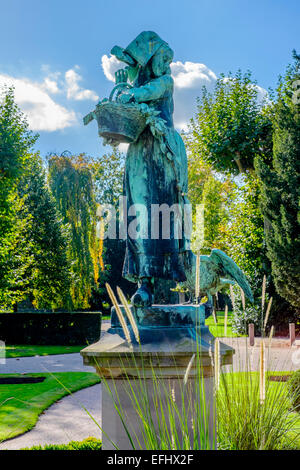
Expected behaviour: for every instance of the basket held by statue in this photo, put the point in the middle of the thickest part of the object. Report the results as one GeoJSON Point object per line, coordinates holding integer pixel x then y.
{"type": "Point", "coordinates": [123, 123]}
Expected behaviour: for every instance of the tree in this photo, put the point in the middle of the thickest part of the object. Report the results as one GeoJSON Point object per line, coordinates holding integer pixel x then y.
{"type": "Point", "coordinates": [49, 272]}
{"type": "Point", "coordinates": [72, 185]}
{"type": "Point", "coordinates": [15, 144]}
{"type": "Point", "coordinates": [108, 174]}
{"type": "Point", "coordinates": [232, 124]}
{"type": "Point", "coordinates": [280, 189]}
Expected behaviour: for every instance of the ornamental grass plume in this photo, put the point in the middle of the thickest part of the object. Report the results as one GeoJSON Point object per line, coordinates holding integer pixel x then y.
{"type": "Point", "coordinates": [268, 312]}
{"type": "Point", "coordinates": [263, 294]}
{"type": "Point", "coordinates": [232, 296]}
{"type": "Point", "coordinates": [119, 313]}
{"type": "Point", "coordinates": [271, 335]}
{"type": "Point", "coordinates": [188, 369]}
{"type": "Point", "coordinates": [197, 278]}
{"type": "Point", "coordinates": [217, 363]}
{"type": "Point", "coordinates": [129, 315]}
{"type": "Point", "coordinates": [262, 374]}
{"type": "Point", "coordinates": [243, 299]}
{"type": "Point", "coordinates": [225, 320]}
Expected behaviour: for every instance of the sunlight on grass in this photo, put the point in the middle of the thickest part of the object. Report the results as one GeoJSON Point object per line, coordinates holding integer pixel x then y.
{"type": "Point", "coordinates": [21, 404]}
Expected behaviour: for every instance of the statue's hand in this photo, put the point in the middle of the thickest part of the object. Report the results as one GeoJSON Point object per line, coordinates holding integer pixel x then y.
{"type": "Point", "coordinates": [121, 76]}
{"type": "Point", "coordinates": [126, 98]}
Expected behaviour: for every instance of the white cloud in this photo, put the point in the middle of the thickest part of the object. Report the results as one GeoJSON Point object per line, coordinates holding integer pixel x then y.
{"type": "Point", "coordinates": [51, 86]}
{"type": "Point", "coordinates": [74, 91]}
{"type": "Point", "coordinates": [110, 65]}
{"type": "Point", "coordinates": [189, 78]}
{"type": "Point", "coordinates": [43, 113]}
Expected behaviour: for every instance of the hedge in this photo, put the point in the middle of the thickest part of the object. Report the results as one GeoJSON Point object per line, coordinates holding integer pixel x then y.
{"type": "Point", "coordinates": [76, 328]}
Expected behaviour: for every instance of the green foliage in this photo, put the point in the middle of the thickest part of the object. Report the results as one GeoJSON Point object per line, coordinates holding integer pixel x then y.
{"type": "Point", "coordinates": [72, 185]}
{"type": "Point", "coordinates": [294, 389]}
{"type": "Point", "coordinates": [280, 191]}
{"type": "Point", "coordinates": [49, 273]}
{"type": "Point", "coordinates": [15, 144]}
{"type": "Point", "coordinates": [244, 234]}
{"type": "Point", "coordinates": [217, 197]}
{"type": "Point", "coordinates": [15, 138]}
{"type": "Point", "coordinates": [108, 173]}
{"type": "Point", "coordinates": [232, 124]}
{"type": "Point", "coordinates": [90, 443]}
{"type": "Point", "coordinates": [50, 328]}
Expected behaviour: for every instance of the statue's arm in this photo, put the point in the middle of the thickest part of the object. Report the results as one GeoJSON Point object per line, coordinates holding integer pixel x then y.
{"type": "Point", "coordinates": [152, 90]}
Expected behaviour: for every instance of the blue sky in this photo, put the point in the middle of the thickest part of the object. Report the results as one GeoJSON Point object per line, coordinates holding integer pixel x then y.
{"type": "Point", "coordinates": [53, 51]}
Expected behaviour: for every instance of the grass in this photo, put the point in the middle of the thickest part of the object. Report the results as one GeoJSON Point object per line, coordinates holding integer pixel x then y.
{"type": "Point", "coordinates": [218, 329]}
{"type": "Point", "coordinates": [21, 404]}
{"type": "Point", "coordinates": [246, 424]}
{"type": "Point", "coordinates": [26, 350]}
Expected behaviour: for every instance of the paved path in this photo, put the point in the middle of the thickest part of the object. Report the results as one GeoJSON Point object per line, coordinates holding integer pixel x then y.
{"type": "Point", "coordinates": [55, 363]}
{"type": "Point", "coordinates": [276, 358]}
{"type": "Point", "coordinates": [64, 421]}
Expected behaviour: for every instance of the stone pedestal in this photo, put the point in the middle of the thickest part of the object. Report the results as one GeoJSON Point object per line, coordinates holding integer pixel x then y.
{"type": "Point", "coordinates": [165, 352]}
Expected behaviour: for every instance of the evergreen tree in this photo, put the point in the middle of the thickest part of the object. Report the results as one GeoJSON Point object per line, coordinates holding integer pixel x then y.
{"type": "Point", "coordinates": [49, 272]}
{"type": "Point", "coordinates": [15, 144]}
{"type": "Point", "coordinates": [280, 189]}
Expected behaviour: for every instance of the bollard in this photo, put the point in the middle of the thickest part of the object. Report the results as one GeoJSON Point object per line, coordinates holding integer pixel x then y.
{"type": "Point", "coordinates": [292, 333]}
{"type": "Point", "coordinates": [251, 333]}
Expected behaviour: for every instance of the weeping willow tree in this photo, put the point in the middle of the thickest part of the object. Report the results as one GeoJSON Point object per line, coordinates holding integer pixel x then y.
{"type": "Point", "coordinates": [72, 185]}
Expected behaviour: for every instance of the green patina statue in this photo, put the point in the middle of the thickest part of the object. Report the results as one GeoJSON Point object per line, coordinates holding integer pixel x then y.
{"type": "Point", "coordinates": [155, 173]}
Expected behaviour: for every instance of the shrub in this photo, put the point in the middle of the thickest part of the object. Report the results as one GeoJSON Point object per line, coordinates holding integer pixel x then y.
{"type": "Point", "coordinates": [241, 319]}
{"type": "Point", "coordinates": [50, 328]}
{"type": "Point", "coordinates": [91, 443]}
{"type": "Point", "coordinates": [294, 390]}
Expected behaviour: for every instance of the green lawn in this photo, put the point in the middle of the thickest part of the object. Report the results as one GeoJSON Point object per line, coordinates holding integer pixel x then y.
{"type": "Point", "coordinates": [26, 350]}
{"type": "Point", "coordinates": [21, 404]}
{"type": "Point", "coordinates": [218, 329]}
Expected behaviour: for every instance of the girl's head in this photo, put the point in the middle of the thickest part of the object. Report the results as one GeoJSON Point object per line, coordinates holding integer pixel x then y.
{"type": "Point", "coordinates": [146, 51]}
{"type": "Point", "coordinates": [161, 60]}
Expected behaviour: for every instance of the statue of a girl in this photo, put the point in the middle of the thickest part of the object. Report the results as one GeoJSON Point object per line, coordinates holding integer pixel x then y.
{"type": "Point", "coordinates": [155, 174]}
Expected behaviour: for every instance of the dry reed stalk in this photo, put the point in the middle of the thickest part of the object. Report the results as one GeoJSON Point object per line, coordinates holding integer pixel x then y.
{"type": "Point", "coordinates": [129, 315]}
{"type": "Point", "coordinates": [119, 312]}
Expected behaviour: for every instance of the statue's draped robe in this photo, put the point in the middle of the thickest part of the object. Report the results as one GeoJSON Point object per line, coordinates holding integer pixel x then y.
{"type": "Point", "coordinates": [153, 177]}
